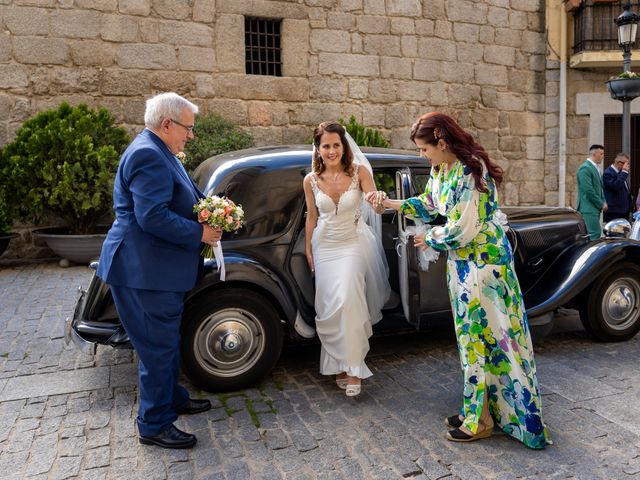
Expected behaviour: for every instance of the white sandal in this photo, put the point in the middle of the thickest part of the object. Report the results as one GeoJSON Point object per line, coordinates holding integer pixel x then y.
{"type": "Point", "coordinates": [353, 390]}
{"type": "Point", "coordinates": [342, 382]}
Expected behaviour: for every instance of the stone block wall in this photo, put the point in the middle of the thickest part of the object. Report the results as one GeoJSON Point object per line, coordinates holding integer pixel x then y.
{"type": "Point", "coordinates": [384, 61]}
{"type": "Point", "coordinates": [578, 135]}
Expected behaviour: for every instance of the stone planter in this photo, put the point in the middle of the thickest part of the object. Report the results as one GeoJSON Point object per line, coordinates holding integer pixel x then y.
{"type": "Point", "coordinates": [624, 89]}
{"type": "Point", "coordinates": [76, 248]}
{"type": "Point", "coordinates": [5, 238]}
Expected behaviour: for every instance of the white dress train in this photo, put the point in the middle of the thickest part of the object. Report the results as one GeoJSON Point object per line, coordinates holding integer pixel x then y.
{"type": "Point", "coordinates": [351, 281]}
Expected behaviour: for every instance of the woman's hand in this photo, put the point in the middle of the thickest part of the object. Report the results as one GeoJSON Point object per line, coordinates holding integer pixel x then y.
{"type": "Point", "coordinates": [310, 262]}
{"type": "Point", "coordinates": [376, 198]}
{"type": "Point", "coordinates": [419, 242]}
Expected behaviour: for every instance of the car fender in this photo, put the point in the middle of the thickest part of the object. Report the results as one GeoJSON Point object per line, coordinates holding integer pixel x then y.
{"type": "Point", "coordinates": [242, 270]}
{"type": "Point", "coordinates": [575, 270]}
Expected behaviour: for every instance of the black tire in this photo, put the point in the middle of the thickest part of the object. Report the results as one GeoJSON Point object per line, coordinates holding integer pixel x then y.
{"type": "Point", "coordinates": [610, 311]}
{"type": "Point", "coordinates": [230, 340]}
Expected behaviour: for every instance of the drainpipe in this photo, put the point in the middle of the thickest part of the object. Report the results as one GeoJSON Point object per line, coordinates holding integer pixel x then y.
{"type": "Point", "coordinates": [562, 120]}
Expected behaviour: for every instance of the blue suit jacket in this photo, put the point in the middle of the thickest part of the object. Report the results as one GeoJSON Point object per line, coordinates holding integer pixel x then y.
{"type": "Point", "coordinates": [154, 243]}
{"type": "Point", "coordinates": [616, 191]}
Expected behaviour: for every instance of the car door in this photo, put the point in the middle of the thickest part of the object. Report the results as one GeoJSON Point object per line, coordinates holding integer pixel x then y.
{"type": "Point", "coordinates": [423, 294]}
{"type": "Point", "coordinates": [408, 274]}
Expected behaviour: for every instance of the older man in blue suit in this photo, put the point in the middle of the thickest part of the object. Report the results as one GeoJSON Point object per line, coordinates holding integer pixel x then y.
{"type": "Point", "coordinates": [617, 192]}
{"type": "Point", "coordinates": [151, 258]}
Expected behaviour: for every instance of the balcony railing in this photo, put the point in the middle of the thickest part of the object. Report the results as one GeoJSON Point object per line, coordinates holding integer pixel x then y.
{"type": "Point", "coordinates": [594, 28]}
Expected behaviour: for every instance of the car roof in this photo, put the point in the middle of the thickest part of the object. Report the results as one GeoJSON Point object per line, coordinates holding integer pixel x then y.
{"type": "Point", "coordinates": [292, 156]}
{"type": "Point", "coordinates": [267, 182]}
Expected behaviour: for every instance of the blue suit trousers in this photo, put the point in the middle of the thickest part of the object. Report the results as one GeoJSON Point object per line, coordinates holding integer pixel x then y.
{"type": "Point", "coordinates": [152, 318]}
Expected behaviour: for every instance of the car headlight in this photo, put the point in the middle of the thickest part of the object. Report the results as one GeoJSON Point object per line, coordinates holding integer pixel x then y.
{"type": "Point", "coordinates": [617, 228]}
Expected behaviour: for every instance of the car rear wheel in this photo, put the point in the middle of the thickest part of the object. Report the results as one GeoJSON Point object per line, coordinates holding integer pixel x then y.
{"type": "Point", "coordinates": [230, 340]}
{"type": "Point", "coordinates": [611, 310]}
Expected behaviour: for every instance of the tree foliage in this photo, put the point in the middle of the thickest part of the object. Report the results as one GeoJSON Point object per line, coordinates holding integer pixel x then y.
{"type": "Point", "coordinates": [5, 220]}
{"type": "Point", "coordinates": [63, 161]}
{"type": "Point", "coordinates": [214, 135]}
{"type": "Point", "coordinates": [364, 136]}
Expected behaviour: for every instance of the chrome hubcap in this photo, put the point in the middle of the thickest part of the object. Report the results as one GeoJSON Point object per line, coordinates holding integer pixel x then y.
{"type": "Point", "coordinates": [620, 306]}
{"type": "Point", "coordinates": [229, 342]}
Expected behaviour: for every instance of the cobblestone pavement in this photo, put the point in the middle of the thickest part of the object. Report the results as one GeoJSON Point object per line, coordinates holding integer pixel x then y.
{"type": "Point", "coordinates": [64, 414]}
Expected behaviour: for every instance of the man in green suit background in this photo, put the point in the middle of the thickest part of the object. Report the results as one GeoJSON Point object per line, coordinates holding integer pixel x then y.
{"type": "Point", "coordinates": [590, 192]}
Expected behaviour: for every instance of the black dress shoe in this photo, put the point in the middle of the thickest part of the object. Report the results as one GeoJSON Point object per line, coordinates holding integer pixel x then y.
{"type": "Point", "coordinates": [171, 437]}
{"type": "Point", "coordinates": [194, 406]}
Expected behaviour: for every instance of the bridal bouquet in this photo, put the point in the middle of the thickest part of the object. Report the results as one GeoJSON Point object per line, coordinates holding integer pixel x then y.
{"type": "Point", "coordinates": [222, 213]}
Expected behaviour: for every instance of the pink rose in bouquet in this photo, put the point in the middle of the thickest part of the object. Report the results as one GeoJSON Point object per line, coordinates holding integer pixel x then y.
{"type": "Point", "coordinates": [219, 212]}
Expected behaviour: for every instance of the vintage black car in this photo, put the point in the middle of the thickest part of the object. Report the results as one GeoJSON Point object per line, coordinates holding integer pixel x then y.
{"type": "Point", "coordinates": [233, 331]}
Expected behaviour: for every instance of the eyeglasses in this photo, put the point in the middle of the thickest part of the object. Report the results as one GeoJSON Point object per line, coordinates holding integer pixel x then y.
{"type": "Point", "coordinates": [188, 128]}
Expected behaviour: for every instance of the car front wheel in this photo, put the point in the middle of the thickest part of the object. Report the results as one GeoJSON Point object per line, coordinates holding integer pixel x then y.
{"type": "Point", "coordinates": [611, 311]}
{"type": "Point", "coordinates": [230, 340]}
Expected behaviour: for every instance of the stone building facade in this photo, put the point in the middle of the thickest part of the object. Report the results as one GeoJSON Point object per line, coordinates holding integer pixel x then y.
{"type": "Point", "coordinates": [384, 61]}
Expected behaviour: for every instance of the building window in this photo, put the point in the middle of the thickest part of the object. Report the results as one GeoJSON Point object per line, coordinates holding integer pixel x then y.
{"type": "Point", "coordinates": [594, 28]}
{"type": "Point", "coordinates": [262, 46]}
{"type": "Point", "coordinates": [613, 145]}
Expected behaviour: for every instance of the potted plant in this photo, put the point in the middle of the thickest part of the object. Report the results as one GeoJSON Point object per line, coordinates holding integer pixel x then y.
{"type": "Point", "coordinates": [5, 224]}
{"type": "Point", "coordinates": [624, 87]}
{"type": "Point", "coordinates": [61, 165]}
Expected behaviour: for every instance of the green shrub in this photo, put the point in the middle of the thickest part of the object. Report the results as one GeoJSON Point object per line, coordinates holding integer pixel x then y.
{"type": "Point", "coordinates": [626, 75]}
{"type": "Point", "coordinates": [368, 137]}
{"type": "Point", "coordinates": [63, 161]}
{"type": "Point", "coordinates": [363, 136]}
{"type": "Point", "coordinates": [214, 135]}
{"type": "Point", "coordinates": [5, 221]}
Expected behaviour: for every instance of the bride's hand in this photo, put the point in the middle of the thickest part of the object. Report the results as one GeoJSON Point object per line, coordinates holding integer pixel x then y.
{"type": "Point", "coordinates": [376, 198]}
{"type": "Point", "coordinates": [369, 197]}
{"type": "Point", "coordinates": [310, 262]}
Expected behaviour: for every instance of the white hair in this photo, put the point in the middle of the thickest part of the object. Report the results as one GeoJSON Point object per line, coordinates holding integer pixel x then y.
{"type": "Point", "coordinates": [166, 105]}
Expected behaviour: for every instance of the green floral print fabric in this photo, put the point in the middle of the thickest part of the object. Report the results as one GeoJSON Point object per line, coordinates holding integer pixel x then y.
{"type": "Point", "coordinates": [490, 320]}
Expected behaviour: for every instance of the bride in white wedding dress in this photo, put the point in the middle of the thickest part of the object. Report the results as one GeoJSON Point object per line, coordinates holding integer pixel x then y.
{"type": "Point", "coordinates": [346, 255]}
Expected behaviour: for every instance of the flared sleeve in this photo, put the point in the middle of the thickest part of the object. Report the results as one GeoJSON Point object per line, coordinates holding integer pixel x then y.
{"type": "Point", "coordinates": [464, 219]}
{"type": "Point", "coordinates": [421, 207]}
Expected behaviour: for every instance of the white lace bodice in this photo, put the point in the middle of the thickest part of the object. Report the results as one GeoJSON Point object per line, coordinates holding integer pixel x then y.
{"type": "Point", "coordinates": [338, 222]}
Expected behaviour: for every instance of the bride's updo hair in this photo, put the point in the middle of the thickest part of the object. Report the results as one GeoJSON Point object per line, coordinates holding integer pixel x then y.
{"type": "Point", "coordinates": [317, 164]}
{"type": "Point", "coordinates": [433, 126]}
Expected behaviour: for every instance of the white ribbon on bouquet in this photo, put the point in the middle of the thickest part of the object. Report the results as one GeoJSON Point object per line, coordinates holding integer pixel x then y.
{"type": "Point", "coordinates": [219, 258]}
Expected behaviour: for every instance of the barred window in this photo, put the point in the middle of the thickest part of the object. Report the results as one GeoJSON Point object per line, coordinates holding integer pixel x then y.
{"type": "Point", "coordinates": [262, 46]}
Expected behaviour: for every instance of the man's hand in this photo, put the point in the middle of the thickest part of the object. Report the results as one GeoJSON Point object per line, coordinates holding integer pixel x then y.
{"type": "Point", "coordinates": [210, 235]}
{"type": "Point", "coordinates": [625, 166]}
{"type": "Point", "coordinates": [605, 207]}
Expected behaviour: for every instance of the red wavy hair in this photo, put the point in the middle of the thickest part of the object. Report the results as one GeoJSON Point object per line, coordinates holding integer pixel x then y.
{"type": "Point", "coordinates": [461, 143]}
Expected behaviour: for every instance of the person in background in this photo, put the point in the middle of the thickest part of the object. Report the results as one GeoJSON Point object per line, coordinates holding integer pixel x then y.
{"type": "Point", "coordinates": [591, 199]}
{"type": "Point", "coordinates": [617, 192]}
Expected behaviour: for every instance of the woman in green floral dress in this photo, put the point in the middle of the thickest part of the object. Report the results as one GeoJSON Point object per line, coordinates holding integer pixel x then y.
{"type": "Point", "coordinates": [495, 349]}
